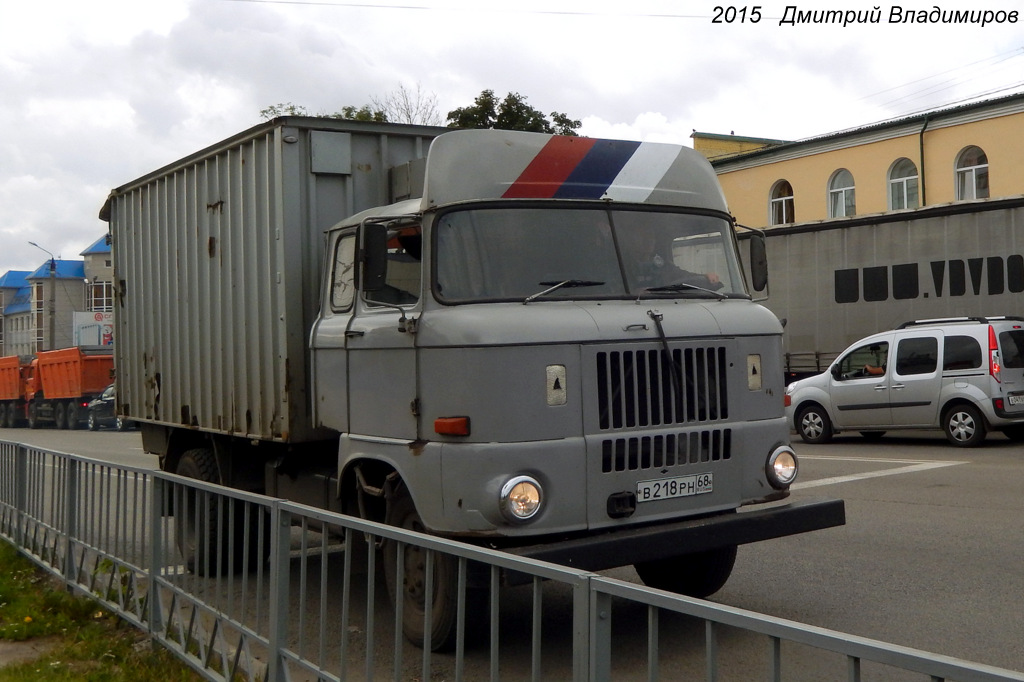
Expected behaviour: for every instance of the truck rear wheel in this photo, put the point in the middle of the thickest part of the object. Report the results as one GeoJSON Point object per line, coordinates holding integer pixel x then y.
{"type": "Point", "coordinates": [33, 416]}
{"type": "Point", "coordinates": [210, 538]}
{"type": "Point", "coordinates": [412, 590]}
{"type": "Point", "coordinates": [72, 415]}
{"type": "Point", "coordinates": [58, 415]}
{"type": "Point", "coordinates": [695, 575]}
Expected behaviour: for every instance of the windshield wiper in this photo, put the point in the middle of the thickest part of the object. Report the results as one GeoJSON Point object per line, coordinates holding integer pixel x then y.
{"type": "Point", "coordinates": [685, 286]}
{"type": "Point", "coordinates": [552, 286]}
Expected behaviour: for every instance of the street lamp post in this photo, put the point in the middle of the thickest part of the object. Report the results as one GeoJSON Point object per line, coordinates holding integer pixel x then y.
{"type": "Point", "coordinates": [53, 296]}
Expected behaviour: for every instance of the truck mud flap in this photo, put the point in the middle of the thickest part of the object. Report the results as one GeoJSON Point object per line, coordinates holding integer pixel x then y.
{"type": "Point", "coordinates": [647, 543]}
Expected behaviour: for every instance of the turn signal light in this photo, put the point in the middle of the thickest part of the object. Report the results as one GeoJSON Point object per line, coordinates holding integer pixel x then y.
{"type": "Point", "coordinates": [452, 426]}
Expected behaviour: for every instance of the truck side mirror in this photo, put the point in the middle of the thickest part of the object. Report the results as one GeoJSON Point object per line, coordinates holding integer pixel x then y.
{"type": "Point", "coordinates": [758, 262]}
{"type": "Point", "coordinates": [375, 257]}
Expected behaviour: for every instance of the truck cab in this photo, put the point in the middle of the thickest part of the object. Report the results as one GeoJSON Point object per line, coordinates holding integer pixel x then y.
{"type": "Point", "coordinates": [556, 341]}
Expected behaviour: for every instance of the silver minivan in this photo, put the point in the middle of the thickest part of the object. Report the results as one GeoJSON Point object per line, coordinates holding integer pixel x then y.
{"type": "Point", "coordinates": [962, 375]}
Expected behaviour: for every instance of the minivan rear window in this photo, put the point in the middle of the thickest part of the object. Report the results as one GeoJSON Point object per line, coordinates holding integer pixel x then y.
{"type": "Point", "coordinates": [961, 352]}
{"type": "Point", "coordinates": [1011, 344]}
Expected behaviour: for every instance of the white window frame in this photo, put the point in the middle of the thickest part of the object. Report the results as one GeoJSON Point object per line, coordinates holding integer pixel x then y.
{"type": "Point", "coordinates": [842, 199]}
{"type": "Point", "coordinates": [968, 178]}
{"type": "Point", "coordinates": [901, 185]}
{"type": "Point", "coordinates": [786, 204]}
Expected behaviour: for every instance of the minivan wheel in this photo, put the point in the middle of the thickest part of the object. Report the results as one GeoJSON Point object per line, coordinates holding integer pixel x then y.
{"type": "Point", "coordinates": [813, 425]}
{"type": "Point", "coordinates": [964, 426]}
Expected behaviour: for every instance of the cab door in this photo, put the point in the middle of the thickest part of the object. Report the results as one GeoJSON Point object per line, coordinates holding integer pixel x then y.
{"type": "Point", "coordinates": [916, 378]}
{"type": "Point", "coordinates": [860, 398]}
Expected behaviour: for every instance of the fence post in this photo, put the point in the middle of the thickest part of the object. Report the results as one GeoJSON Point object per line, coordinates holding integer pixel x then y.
{"type": "Point", "coordinates": [156, 554]}
{"type": "Point", "coordinates": [71, 520]}
{"type": "Point", "coordinates": [280, 544]}
{"type": "Point", "coordinates": [20, 494]}
{"type": "Point", "coordinates": [591, 638]}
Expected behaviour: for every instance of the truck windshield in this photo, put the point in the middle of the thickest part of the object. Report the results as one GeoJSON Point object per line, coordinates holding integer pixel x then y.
{"type": "Point", "coordinates": [515, 254]}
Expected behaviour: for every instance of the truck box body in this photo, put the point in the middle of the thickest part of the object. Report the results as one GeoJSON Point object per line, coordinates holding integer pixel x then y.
{"type": "Point", "coordinates": [70, 373]}
{"type": "Point", "coordinates": [217, 260]}
{"type": "Point", "coordinates": [11, 382]}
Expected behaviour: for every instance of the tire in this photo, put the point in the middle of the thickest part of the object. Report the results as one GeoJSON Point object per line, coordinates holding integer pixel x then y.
{"type": "Point", "coordinates": [5, 411]}
{"type": "Point", "coordinates": [33, 416]}
{"type": "Point", "coordinates": [964, 426]}
{"type": "Point", "coordinates": [59, 415]}
{"type": "Point", "coordinates": [72, 416]}
{"type": "Point", "coordinates": [814, 425]}
{"type": "Point", "coordinates": [94, 424]}
{"type": "Point", "coordinates": [208, 541]}
{"type": "Point", "coordinates": [694, 575]}
{"type": "Point", "coordinates": [121, 424]}
{"type": "Point", "coordinates": [444, 607]}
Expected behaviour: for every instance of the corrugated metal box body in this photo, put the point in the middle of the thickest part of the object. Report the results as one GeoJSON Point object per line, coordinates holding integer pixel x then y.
{"type": "Point", "coordinates": [70, 373]}
{"type": "Point", "coordinates": [217, 262]}
{"type": "Point", "coordinates": [10, 378]}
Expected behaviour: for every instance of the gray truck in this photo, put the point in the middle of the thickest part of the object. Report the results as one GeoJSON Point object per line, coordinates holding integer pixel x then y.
{"type": "Point", "coordinates": [543, 343]}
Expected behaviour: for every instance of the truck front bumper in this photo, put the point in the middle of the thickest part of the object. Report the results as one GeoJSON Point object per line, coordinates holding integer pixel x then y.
{"type": "Point", "coordinates": [648, 543]}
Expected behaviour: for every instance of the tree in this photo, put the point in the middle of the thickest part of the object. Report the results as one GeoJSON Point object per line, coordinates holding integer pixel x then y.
{"type": "Point", "coordinates": [349, 113]}
{"type": "Point", "coordinates": [405, 106]}
{"type": "Point", "coordinates": [283, 109]}
{"type": "Point", "coordinates": [512, 113]}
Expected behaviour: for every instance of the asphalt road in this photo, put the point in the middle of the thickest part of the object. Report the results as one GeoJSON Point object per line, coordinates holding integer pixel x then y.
{"type": "Point", "coordinates": [932, 556]}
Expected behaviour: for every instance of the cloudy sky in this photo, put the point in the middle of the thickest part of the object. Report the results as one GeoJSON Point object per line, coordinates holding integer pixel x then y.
{"type": "Point", "coordinates": [94, 93]}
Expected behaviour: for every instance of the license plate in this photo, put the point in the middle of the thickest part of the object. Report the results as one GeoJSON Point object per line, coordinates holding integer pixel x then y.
{"type": "Point", "coordinates": [679, 486]}
{"type": "Point", "coordinates": [1016, 399]}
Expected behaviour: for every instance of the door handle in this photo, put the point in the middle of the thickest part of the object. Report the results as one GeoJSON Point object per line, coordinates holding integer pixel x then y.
{"type": "Point", "coordinates": [354, 333]}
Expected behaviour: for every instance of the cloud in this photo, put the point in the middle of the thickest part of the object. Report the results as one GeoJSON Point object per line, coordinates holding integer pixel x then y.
{"type": "Point", "coordinates": [97, 94]}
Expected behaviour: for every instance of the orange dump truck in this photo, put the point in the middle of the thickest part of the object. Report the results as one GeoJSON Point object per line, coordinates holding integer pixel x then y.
{"type": "Point", "coordinates": [55, 387]}
{"type": "Point", "coordinates": [12, 386]}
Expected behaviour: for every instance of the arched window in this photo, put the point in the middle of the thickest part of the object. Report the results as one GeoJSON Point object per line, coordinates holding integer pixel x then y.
{"type": "Point", "coordinates": [782, 203]}
{"type": "Point", "coordinates": [903, 185]}
{"type": "Point", "coordinates": [972, 174]}
{"type": "Point", "coordinates": [841, 198]}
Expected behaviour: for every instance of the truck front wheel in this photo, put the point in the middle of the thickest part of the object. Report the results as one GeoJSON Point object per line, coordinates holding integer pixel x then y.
{"type": "Point", "coordinates": [695, 575]}
{"type": "Point", "coordinates": [411, 587]}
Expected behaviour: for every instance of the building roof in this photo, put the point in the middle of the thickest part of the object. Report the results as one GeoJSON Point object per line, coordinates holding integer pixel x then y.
{"type": "Point", "coordinates": [919, 118]}
{"type": "Point", "coordinates": [66, 269]}
{"type": "Point", "coordinates": [21, 303]}
{"type": "Point", "coordinates": [13, 279]}
{"type": "Point", "coordinates": [101, 245]}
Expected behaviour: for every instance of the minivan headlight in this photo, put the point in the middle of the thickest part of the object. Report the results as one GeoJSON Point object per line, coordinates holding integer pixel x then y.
{"type": "Point", "coordinates": [782, 467]}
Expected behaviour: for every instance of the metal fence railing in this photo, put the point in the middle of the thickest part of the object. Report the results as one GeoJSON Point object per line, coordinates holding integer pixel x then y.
{"type": "Point", "coordinates": [288, 592]}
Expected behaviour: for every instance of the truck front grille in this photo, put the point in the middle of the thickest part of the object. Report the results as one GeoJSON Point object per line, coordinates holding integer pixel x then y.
{"type": "Point", "coordinates": [655, 452]}
{"type": "Point", "coordinates": [637, 388]}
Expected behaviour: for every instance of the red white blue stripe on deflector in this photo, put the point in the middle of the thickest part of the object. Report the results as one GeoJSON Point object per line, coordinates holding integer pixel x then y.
{"type": "Point", "coordinates": [586, 168]}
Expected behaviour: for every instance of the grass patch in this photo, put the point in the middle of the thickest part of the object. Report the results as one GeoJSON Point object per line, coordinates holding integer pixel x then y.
{"type": "Point", "coordinates": [86, 642]}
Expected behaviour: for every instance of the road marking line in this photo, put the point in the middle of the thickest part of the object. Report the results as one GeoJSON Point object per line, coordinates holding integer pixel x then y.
{"type": "Point", "coordinates": [921, 466]}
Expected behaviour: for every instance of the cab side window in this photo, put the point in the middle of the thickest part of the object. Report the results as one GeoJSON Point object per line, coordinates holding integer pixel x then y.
{"type": "Point", "coordinates": [402, 282]}
{"type": "Point", "coordinates": [917, 355]}
{"type": "Point", "coordinates": [960, 352]}
{"type": "Point", "coordinates": [343, 288]}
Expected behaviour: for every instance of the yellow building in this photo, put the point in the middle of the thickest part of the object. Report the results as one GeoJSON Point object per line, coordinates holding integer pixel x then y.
{"type": "Point", "coordinates": [965, 153]}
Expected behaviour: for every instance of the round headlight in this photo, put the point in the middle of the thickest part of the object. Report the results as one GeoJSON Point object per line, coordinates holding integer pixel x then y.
{"type": "Point", "coordinates": [520, 498]}
{"type": "Point", "coordinates": [782, 467]}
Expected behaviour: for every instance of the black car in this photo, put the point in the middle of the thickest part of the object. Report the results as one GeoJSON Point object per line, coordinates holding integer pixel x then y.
{"type": "Point", "coordinates": [101, 411]}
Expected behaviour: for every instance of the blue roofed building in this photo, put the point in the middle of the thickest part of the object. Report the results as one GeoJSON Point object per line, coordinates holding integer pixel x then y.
{"type": "Point", "coordinates": [14, 299]}
{"type": "Point", "coordinates": [70, 305]}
